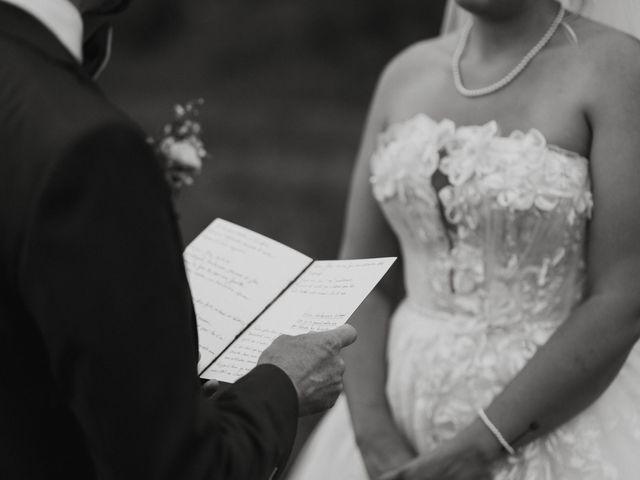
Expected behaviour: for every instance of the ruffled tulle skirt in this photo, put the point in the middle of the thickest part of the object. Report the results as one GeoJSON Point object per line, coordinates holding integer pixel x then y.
{"type": "Point", "coordinates": [442, 367]}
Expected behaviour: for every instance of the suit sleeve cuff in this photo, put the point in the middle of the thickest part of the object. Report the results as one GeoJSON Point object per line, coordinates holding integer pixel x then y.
{"type": "Point", "coordinates": [278, 393]}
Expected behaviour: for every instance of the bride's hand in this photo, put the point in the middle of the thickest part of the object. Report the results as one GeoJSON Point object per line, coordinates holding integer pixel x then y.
{"type": "Point", "coordinates": [448, 462]}
{"type": "Point", "coordinates": [387, 456]}
{"type": "Point", "coordinates": [382, 447]}
{"type": "Point", "coordinates": [383, 451]}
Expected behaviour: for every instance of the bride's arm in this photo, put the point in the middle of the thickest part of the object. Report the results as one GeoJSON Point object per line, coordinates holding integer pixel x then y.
{"type": "Point", "coordinates": [366, 234]}
{"type": "Point", "coordinates": [586, 353]}
{"type": "Point", "coordinates": [381, 444]}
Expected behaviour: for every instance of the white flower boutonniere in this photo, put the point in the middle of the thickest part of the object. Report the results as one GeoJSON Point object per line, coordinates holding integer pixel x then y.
{"type": "Point", "coordinates": [180, 147]}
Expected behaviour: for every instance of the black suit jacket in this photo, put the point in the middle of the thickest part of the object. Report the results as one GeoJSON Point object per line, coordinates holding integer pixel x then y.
{"type": "Point", "coordinates": [98, 345]}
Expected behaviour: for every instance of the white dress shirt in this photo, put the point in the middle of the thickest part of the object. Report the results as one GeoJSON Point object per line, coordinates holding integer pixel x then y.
{"type": "Point", "coordinates": [61, 17]}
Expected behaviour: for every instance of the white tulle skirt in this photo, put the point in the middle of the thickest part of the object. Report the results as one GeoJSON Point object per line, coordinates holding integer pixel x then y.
{"type": "Point", "coordinates": [441, 368]}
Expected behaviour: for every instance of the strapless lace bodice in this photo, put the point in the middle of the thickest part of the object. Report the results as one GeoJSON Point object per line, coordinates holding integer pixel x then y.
{"type": "Point", "coordinates": [503, 238]}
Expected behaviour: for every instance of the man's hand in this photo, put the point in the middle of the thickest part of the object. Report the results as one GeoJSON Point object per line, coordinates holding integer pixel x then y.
{"type": "Point", "coordinates": [313, 363]}
{"type": "Point", "coordinates": [211, 387]}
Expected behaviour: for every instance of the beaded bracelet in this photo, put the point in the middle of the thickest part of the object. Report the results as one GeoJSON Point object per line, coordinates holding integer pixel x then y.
{"type": "Point", "coordinates": [496, 433]}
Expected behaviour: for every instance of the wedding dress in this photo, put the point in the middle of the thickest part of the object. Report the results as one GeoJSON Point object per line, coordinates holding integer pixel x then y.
{"type": "Point", "coordinates": [494, 262]}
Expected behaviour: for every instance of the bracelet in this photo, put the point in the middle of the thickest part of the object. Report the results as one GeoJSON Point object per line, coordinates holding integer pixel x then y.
{"type": "Point", "coordinates": [496, 433]}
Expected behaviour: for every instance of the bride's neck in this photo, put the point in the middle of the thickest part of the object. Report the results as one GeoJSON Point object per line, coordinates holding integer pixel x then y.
{"type": "Point", "coordinates": [491, 36]}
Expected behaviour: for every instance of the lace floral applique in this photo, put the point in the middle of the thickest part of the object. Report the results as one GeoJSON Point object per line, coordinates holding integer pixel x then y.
{"type": "Point", "coordinates": [408, 154]}
{"type": "Point", "coordinates": [519, 171]}
{"type": "Point", "coordinates": [502, 193]}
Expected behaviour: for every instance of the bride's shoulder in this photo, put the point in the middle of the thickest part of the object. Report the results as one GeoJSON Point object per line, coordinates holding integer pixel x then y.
{"type": "Point", "coordinates": [603, 47]}
{"type": "Point", "coordinates": [435, 52]}
{"type": "Point", "coordinates": [609, 62]}
{"type": "Point", "coordinates": [424, 58]}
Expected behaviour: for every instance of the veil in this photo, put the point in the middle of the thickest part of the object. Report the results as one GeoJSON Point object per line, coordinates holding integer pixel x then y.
{"type": "Point", "coordinates": [621, 14]}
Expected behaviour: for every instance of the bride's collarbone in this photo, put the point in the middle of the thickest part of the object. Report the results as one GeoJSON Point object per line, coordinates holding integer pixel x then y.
{"type": "Point", "coordinates": [547, 97]}
{"type": "Point", "coordinates": [557, 113]}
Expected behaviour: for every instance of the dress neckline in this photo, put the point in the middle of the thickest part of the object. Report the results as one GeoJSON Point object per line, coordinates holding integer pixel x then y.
{"type": "Point", "coordinates": [513, 135]}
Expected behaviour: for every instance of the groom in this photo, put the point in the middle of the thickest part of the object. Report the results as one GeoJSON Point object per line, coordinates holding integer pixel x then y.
{"type": "Point", "coordinates": [98, 346]}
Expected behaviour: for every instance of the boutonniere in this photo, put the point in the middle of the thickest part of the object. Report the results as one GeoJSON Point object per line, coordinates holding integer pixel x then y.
{"type": "Point", "coordinates": [179, 146]}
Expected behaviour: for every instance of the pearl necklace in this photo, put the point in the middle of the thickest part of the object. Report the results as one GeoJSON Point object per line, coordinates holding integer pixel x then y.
{"type": "Point", "coordinates": [511, 76]}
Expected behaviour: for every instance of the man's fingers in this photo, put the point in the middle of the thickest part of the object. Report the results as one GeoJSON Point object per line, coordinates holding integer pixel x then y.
{"type": "Point", "coordinates": [336, 339]}
{"type": "Point", "coordinates": [345, 335]}
{"type": "Point", "coordinates": [211, 387]}
{"type": "Point", "coordinates": [393, 475]}
{"type": "Point", "coordinates": [342, 367]}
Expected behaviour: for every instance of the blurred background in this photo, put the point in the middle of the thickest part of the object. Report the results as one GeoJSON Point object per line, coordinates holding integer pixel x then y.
{"type": "Point", "coordinates": [286, 85]}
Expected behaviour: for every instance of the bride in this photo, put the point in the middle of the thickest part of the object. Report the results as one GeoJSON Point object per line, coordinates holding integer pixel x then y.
{"type": "Point", "coordinates": [501, 163]}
